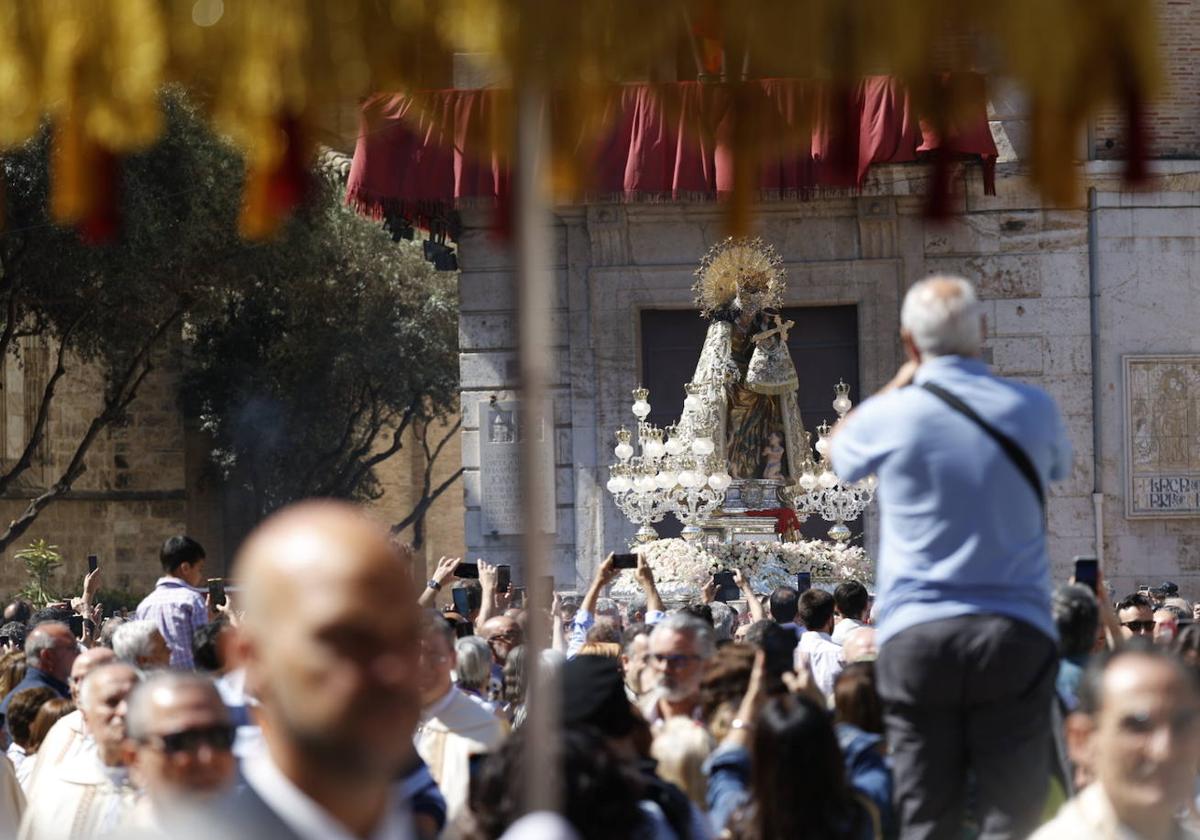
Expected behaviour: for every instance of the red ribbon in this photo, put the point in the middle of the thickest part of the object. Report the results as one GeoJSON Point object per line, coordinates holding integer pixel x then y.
{"type": "Point", "coordinates": [786, 520]}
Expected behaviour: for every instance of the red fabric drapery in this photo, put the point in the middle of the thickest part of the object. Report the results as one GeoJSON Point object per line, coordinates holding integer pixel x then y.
{"type": "Point", "coordinates": [421, 155]}
{"type": "Point", "coordinates": [786, 520]}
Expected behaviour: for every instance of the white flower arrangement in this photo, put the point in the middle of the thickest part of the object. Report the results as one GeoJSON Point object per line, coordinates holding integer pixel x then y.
{"type": "Point", "coordinates": [682, 568]}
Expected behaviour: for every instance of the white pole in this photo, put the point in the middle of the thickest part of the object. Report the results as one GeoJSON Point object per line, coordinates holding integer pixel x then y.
{"type": "Point", "coordinates": [533, 292]}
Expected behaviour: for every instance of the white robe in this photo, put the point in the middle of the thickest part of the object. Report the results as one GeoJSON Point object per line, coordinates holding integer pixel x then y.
{"type": "Point", "coordinates": [453, 730]}
{"type": "Point", "coordinates": [12, 800]}
{"type": "Point", "coordinates": [77, 800]}
{"type": "Point", "coordinates": [65, 741]}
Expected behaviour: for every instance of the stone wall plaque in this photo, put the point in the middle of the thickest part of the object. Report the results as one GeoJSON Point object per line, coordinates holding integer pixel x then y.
{"type": "Point", "coordinates": [1162, 436]}
{"type": "Point", "coordinates": [501, 428]}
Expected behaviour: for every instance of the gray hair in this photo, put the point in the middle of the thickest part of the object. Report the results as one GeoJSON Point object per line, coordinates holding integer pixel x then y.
{"type": "Point", "coordinates": [608, 607]}
{"type": "Point", "coordinates": [39, 640]}
{"type": "Point", "coordinates": [90, 679]}
{"type": "Point", "coordinates": [722, 615]}
{"type": "Point", "coordinates": [474, 662]}
{"type": "Point", "coordinates": [943, 316]}
{"type": "Point", "coordinates": [635, 611]}
{"type": "Point", "coordinates": [680, 622]}
{"type": "Point", "coordinates": [133, 640]}
{"type": "Point", "coordinates": [137, 718]}
{"type": "Point", "coordinates": [109, 628]}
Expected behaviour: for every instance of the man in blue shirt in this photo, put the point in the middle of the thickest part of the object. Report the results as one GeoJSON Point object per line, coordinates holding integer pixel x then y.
{"type": "Point", "coordinates": [967, 644]}
{"type": "Point", "coordinates": [50, 651]}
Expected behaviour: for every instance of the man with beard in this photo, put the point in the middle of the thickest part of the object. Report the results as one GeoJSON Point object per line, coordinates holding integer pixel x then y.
{"type": "Point", "coordinates": [179, 750]}
{"type": "Point", "coordinates": [330, 644]}
{"type": "Point", "coordinates": [454, 728]}
{"type": "Point", "coordinates": [679, 646]}
{"type": "Point", "coordinates": [91, 794]}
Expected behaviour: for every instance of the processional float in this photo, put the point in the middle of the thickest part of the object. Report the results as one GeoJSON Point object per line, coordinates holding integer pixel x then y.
{"type": "Point", "coordinates": [737, 468]}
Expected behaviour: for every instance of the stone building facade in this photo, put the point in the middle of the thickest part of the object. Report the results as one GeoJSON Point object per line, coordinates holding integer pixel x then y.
{"type": "Point", "coordinates": [149, 478]}
{"type": "Point", "coordinates": [1062, 287]}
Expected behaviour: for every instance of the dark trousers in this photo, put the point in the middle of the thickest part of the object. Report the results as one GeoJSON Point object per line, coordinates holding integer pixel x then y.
{"type": "Point", "coordinates": [968, 694]}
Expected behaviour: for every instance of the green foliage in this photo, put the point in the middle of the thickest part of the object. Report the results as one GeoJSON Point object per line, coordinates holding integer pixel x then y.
{"type": "Point", "coordinates": [308, 352]}
{"type": "Point", "coordinates": [41, 561]}
{"type": "Point", "coordinates": [303, 379]}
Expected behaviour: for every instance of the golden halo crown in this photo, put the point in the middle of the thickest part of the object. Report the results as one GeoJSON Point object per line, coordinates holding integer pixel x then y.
{"type": "Point", "coordinates": [736, 268]}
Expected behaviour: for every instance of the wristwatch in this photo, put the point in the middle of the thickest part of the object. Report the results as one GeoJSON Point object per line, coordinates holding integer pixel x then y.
{"type": "Point", "coordinates": [738, 723]}
{"type": "Point", "coordinates": [433, 584]}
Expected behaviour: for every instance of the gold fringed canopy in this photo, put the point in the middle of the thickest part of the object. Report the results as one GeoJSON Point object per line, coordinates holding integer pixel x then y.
{"type": "Point", "coordinates": [267, 70]}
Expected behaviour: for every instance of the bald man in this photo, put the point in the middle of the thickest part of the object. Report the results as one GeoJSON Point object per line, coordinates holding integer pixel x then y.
{"type": "Point", "coordinates": [330, 644]}
{"type": "Point", "coordinates": [90, 795]}
{"type": "Point", "coordinates": [179, 750]}
{"type": "Point", "coordinates": [66, 739]}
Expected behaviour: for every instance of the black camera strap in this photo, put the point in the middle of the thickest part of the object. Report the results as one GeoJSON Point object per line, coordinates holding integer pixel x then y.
{"type": "Point", "coordinates": [1011, 448]}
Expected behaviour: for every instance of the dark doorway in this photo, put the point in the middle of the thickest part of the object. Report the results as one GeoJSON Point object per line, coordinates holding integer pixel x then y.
{"type": "Point", "coordinates": [824, 347]}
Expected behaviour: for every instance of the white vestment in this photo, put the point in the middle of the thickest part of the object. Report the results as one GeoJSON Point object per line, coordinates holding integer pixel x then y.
{"type": "Point", "coordinates": [78, 800]}
{"type": "Point", "coordinates": [65, 741]}
{"type": "Point", "coordinates": [451, 731]}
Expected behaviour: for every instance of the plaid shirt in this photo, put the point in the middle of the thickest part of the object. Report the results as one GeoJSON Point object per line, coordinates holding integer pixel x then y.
{"type": "Point", "coordinates": [178, 610]}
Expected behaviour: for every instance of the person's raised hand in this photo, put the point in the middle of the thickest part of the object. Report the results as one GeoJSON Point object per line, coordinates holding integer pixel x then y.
{"type": "Point", "coordinates": [606, 572]}
{"type": "Point", "coordinates": [445, 569]}
{"type": "Point", "coordinates": [91, 585]}
{"type": "Point", "coordinates": [740, 579]}
{"type": "Point", "coordinates": [643, 572]}
{"type": "Point", "coordinates": [904, 376]}
{"type": "Point", "coordinates": [709, 592]}
{"type": "Point", "coordinates": [487, 575]}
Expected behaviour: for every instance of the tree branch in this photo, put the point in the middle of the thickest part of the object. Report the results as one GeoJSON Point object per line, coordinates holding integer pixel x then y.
{"type": "Point", "coordinates": [39, 425]}
{"type": "Point", "coordinates": [426, 502]}
{"type": "Point", "coordinates": [356, 470]}
{"type": "Point", "coordinates": [115, 406]}
{"type": "Point", "coordinates": [428, 496]}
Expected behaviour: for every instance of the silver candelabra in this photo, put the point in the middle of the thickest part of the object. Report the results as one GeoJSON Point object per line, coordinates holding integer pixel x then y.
{"type": "Point", "coordinates": [820, 491]}
{"type": "Point", "coordinates": [671, 470]}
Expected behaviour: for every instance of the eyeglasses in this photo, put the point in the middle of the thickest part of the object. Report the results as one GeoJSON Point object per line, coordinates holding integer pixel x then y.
{"type": "Point", "coordinates": [674, 660]}
{"type": "Point", "coordinates": [190, 740]}
{"type": "Point", "coordinates": [1139, 626]}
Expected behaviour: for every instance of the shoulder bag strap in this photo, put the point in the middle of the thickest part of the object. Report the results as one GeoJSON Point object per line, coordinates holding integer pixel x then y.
{"type": "Point", "coordinates": [1011, 448]}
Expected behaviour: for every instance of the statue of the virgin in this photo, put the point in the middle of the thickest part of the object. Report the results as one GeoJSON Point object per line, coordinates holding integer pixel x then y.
{"type": "Point", "coordinates": [746, 364]}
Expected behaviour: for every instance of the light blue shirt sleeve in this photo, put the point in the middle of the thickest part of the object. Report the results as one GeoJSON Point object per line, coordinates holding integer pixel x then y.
{"type": "Point", "coordinates": [861, 443]}
{"type": "Point", "coordinates": [580, 624]}
{"type": "Point", "coordinates": [654, 616]}
{"type": "Point", "coordinates": [728, 772]}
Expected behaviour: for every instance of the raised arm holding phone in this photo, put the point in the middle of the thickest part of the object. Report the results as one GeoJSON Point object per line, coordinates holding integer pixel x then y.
{"type": "Point", "coordinates": [757, 613]}
{"type": "Point", "coordinates": [443, 572]}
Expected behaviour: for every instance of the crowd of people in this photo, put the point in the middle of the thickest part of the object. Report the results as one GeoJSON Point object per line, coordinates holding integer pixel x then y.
{"type": "Point", "coordinates": [960, 694]}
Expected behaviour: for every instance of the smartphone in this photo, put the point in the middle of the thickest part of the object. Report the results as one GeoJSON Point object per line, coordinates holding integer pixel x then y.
{"type": "Point", "coordinates": [518, 597]}
{"type": "Point", "coordinates": [216, 591]}
{"type": "Point", "coordinates": [1087, 572]}
{"type": "Point", "coordinates": [625, 561]}
{"type": "Point", "coordinates": [462, 601]}
{"type": "Point", "coordinates": [467, 570]}
{"type": "Point", "coordinates": [727, 590]}
{"type": "Point", "coordinates": [803, 581]}
{"type": "Point", "coordinates": [779, 646]}
{"type": "Point", "coordinates": [93, 562]}
{"type": "Point", "coordinates": [503, 577]}
{"type": "Point", "coordinates": [75, 622]}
